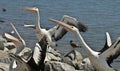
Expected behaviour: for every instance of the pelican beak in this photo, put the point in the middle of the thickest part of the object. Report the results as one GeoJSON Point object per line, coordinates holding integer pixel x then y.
{"type": "Point", "coordinates": [30, 9]}
{"type": "Point", "coordinates": [64, 25]}
{"type": "Point", "coordinates": [12, 38]}
{"type": "Point", "coordinates": [21, 39]}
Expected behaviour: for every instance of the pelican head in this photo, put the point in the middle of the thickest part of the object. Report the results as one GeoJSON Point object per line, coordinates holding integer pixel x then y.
{"type": "Point", "coordinates": [65, 26]}
{"type": "Point", "coordinates": [33, 10]}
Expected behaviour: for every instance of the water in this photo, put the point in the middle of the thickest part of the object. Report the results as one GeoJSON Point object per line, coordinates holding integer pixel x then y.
{"type": "Point", "coordinates": [99, 15]}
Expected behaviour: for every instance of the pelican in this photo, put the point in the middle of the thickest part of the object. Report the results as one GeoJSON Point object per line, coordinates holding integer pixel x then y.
{"type": "Point", "coordinates": [56, 31]}
{"type": "Point", "coordinates": [100, 60]}
{"type": "Point", "coordinates": [40, 32]}
{"type": "Point", "coordinates": [22, 49]}
{"type": "Point", "coordinates": [39, 54]}
{"type": "Point", "coordinates": [36, 62]}
{"type": "Point", "coordinates": [59, 31]}
{"type": "Point", "coordinates": [86, 64]}
{"type": "Point", "coordinates": [22, 55]}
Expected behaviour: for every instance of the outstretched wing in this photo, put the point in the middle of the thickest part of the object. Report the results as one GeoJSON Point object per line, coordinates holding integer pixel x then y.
{"type": "Point", "coordinates": [60, 31]}
{"type": "Point", "coordinates": [40, 51]}
{"type": "Point", "coordinates": [108, 43]}
{"type": "Point", "coordinates": [112, 52]}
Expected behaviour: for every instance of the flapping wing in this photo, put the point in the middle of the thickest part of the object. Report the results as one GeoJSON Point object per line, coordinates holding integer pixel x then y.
{"type": "Point", "coordinates": [112, 52]}
{"type": "Point", "coordinates": [52, 31]}
{"type": "Point", "coordinates": [74, 22]}
{"type": "Point", "coordinates": [108, 43]}
{"type": "Point", "coordinates": [40, 51]}
{"type": "Point", "coordinates": [60, 31]}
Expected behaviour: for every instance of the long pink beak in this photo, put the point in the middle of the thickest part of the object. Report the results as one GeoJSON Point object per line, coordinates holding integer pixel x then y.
{"type": "Point", "coordinates": [31, 9]}
{"type": "Point", "coordinates": [10, 37]}
{"type": "Point", "coordinates": [64, 25]}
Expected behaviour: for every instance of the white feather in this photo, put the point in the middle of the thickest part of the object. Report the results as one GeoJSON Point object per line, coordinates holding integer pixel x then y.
{"type": "Point", "coordinates": [14, 64]}
{"type": "Point", "coordinates": [36, 54]}
{"type": "Point", "coordinates": [109, 41]}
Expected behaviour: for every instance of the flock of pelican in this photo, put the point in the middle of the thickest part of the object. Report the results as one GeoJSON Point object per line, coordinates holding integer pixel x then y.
{"type": "Point", "coordinates": [45, 58]}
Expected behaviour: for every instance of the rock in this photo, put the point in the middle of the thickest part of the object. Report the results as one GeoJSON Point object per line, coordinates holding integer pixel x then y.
{"type": "Point", "coordinates": [1, 45]}
{"type": "Point", "coordinates": [25, 54]}
{"type": "Point", "coordinates": [74, 55]}
{"type": "Point", "coordinates": [53, 55]}
{"type": "Point", "coordinates": [2, 41]}
{"type": "Point", "coordinates": [73, 58]}
{"type": "Point", "coordinates": [4, 67]}
{"type": "Point", "coordinates": [4, 58]}
{"type": "Point", "coordinates": [58, 66]}
{"type": "Point", "coordinates": [86, 65]}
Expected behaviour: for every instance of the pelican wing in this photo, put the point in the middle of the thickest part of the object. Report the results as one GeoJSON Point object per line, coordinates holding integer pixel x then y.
{"type": "Point", "coordinates": [52, 30]}
{"type": "Point", "coordinates": [60, 31]}
{"type": "Point", "coordinates": [40, 51]}
{"type": "Point", "coordinates": [30, 26]}
{"type": "Point", "coordinates": [108, 43]}
{"type": "Point", "coordinates": [74, 22]}
{"type": "Point", "coordinates": [36, 53]}
{"type": "Point", "coordinates": [113, 52]}
{"type": "Point", "coordinates": [108, 39]}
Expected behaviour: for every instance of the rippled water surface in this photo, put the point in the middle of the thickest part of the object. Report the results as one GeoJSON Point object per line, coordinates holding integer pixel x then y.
{"type": "Point", "coordinates": [99, 15]}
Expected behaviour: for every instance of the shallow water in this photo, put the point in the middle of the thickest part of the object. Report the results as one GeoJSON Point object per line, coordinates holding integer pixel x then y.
{"type": "Point", "coordinates": [99, 15]}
